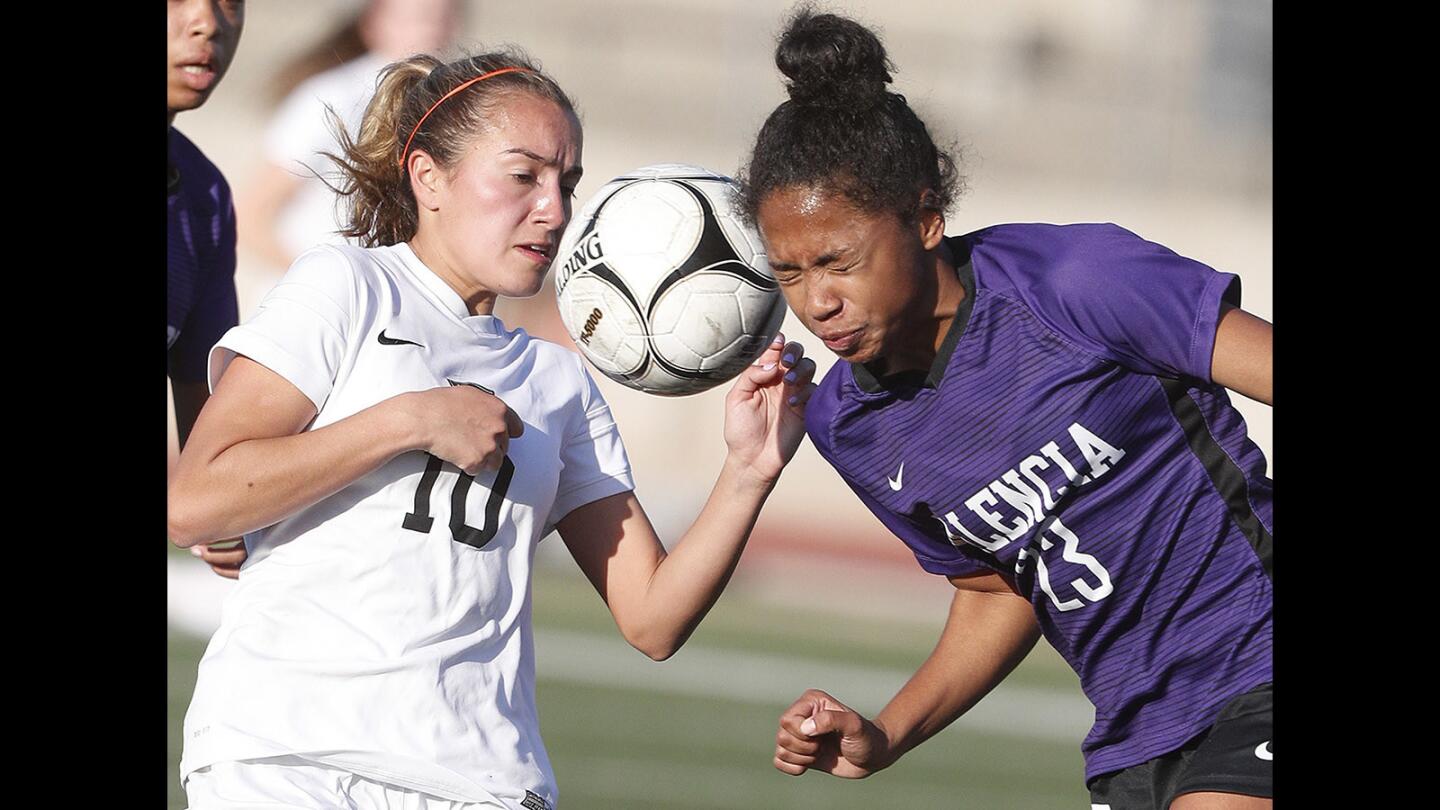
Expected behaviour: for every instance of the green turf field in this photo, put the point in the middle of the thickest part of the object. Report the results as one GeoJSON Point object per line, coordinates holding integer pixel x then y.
{"type": "Point", "coordinates": [620, 745]}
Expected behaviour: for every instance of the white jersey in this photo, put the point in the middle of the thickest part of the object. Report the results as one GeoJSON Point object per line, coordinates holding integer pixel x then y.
{"type": "Point", "coordinates": [386, 629]}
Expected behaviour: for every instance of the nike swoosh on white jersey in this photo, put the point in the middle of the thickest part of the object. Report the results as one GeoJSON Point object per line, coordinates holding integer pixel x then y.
{"type": "Point", "coordinates": [895, 482]}
{"type": "Point", "coordinates": [1263, 751]}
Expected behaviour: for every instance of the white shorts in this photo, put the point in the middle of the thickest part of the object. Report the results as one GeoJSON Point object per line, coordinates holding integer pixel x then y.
{"type": "Point", "coordinates": [292, 783]}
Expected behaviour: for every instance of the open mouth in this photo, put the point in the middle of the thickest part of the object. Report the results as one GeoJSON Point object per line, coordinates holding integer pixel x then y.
{"type": "Point", "coordinates": [541, 252]}
{"type": "Point", "coordinates": [198, 76]}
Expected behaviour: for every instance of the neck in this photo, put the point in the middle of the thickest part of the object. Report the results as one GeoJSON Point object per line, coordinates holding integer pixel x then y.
{"type": "Point", "coordinates": [933, 314]}
{"type": "Point", "coordinates": [478, 300]}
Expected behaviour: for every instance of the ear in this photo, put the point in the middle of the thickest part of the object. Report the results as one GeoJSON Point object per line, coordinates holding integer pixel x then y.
{"type": "Point", "coordinates": [427, 179]}
{"type": "Point", "coordinates": [930, 220]}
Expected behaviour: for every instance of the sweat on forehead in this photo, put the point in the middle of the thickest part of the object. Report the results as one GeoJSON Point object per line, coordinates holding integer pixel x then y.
{"type": "Point", "coordinates": [810, 199]}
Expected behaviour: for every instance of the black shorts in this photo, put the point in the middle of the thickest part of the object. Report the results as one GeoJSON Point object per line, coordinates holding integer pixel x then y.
{"type": "Point", "coordinates": [1232, 756]}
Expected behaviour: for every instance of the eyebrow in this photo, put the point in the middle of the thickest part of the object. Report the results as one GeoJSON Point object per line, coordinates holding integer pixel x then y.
{"type": "Point", "coordinates": [576, 170]}
{"type": "Point", "coordinates": [820, 261]}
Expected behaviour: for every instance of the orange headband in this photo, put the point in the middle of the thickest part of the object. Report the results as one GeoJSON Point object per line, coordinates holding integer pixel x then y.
{"type": "Point", "coordinates": [482, 77]}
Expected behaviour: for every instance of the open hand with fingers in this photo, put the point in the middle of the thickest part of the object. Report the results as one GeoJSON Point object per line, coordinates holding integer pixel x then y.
{"type": "Point", "coordinates": [820, 733]}
{"type": "Point", "coordinates": [765, 411]}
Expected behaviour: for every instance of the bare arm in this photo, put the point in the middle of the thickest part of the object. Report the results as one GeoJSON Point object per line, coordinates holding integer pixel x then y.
{"type": "Point", "coordinates": [1244, 355]}
{"type": "Point", "coordinates": [225, 557]}
{"type": "Point", "coordinates": [658, 599]}
{"type": "Point", "coordinates": [988, 633]}
{"type": "Point", "coordinates": [248, 464]}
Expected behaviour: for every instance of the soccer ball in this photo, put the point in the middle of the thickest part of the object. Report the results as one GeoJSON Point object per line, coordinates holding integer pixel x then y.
{"type": "Point", "coordinates": [661, 286]}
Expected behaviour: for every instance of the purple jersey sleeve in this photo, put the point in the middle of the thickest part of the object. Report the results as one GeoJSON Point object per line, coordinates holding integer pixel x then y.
{"type": "Point", "coordinates": [1112, 293]}
{"type": "Point", "coordinates": [201, 301]}
{"type": "Point", "coordinates": [215, 310]}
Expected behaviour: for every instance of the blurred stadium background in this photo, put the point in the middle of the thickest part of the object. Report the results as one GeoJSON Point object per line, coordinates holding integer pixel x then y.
{"type": "Point", "coordinates": [1153, 114]}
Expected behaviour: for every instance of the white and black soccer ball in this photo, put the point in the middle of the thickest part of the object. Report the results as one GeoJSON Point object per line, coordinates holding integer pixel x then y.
{"type": "Point", "coordinates": [661, 286]}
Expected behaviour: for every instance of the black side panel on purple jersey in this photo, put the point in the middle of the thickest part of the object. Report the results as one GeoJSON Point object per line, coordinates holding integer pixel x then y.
{"type": "Point", "coordinates": [1229, 479]}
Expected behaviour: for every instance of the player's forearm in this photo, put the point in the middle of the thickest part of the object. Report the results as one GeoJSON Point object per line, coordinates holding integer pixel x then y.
{"type": "Point", "coordinates": [985, 638]}
{"type": "Point", "coordinates": [689, 580]}
{"type": "Point", "coordinates": [258, 482]}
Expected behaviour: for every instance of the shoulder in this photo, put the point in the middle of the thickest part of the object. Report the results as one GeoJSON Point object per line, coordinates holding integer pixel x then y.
{"type": "Point", "coordinates": [559, 377]}
{"type": "Point", "coordinates": [1049, 237]}
{"type": "Point", "coordinates": [364, 267]}
{"type": "Point", "coordinates": [1041, 255]}
{"type": "Point", "coordinates": [548, 353]}
{"type": "Point", "coordinates": [341, 274]}
{"type": "Point", "coordinates": [1061, 267]}
{"type": "Point", "coordinates": [559, 364]}
{"type": "Point", "coordinates": [196, 170]}
{"type": "Point", "coordinates": [1107, 291]}
{"type": "Point", "coordinates": [329, 262]}
{"type": "Point", "coordinates": [182, 148]}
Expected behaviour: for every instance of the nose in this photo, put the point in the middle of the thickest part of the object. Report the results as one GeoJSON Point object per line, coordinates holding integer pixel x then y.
{"type": "Point", "coordinates": [202, 18]}
{"type": "Point", "coordinates": [821, 302]}
{"type": "Point", "coordinates": [551, 207]}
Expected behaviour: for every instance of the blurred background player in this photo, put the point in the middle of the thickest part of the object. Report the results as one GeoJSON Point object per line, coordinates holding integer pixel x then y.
{"type": "Point", "coordinates": [394, 453]}
{"type": "Point", "coordinates": [200, 300]}
{"type": "Point", "coordinates": [286, 207]}
{"type": "Point", "coordinates": [1040, 413]}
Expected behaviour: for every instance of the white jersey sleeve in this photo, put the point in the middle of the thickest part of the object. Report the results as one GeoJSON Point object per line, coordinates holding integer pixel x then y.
{"type": "Point", "coordinates": [592, 457]}
{"type": "Point", "coordinates": [302, 326]}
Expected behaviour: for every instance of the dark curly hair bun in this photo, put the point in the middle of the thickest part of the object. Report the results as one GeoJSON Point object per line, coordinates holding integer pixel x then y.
{"type": "Point", "coordinates": [832, 62]}
{"type": "Point", "coordinates": [842, 131]}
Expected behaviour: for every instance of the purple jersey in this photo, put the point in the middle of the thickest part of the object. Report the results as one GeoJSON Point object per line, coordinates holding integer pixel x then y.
{"type": "Point", "coordinates": [200, 300]}
{"type": "Point", "coordinates": [1068, 437]}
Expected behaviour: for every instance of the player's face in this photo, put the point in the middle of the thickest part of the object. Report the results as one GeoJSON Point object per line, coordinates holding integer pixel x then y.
{"type": "Point", "coordinates": [203, 37]}
{"type": "Point", "coordinates": [855, 279]}
{"type": "Point", "coordinates": [503, 207]}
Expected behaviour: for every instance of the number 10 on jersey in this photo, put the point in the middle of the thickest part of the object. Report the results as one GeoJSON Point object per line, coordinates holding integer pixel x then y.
{"type": "Point", "coordinates": [420, 520]}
